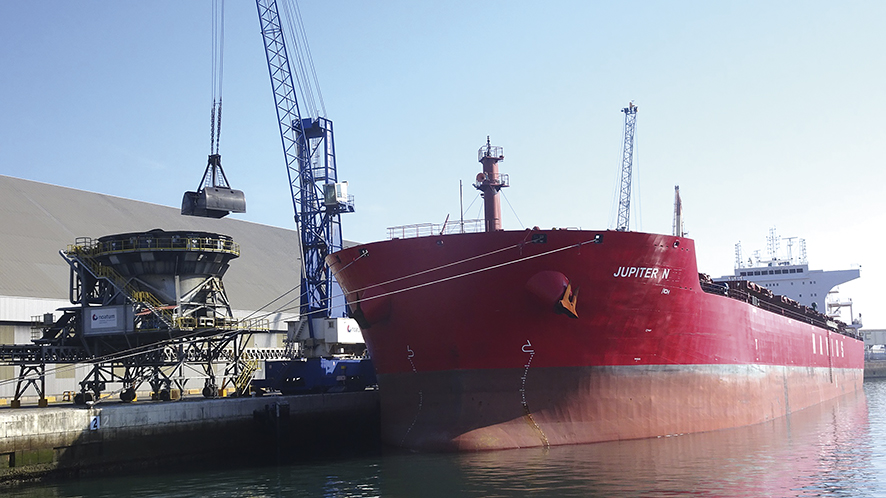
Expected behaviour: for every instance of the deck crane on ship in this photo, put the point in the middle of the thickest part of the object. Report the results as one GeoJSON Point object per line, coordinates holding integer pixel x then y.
{"type": "Point", "coordinates": [318, 199]}
{"type": "Point", "coordinates": [624, 198]}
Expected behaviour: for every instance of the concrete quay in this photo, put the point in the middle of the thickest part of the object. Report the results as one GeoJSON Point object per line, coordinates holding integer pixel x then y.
{"type": "Point", "coordinates": [875, 369]}
{"type": "Point", "coordinates": [109, 436]}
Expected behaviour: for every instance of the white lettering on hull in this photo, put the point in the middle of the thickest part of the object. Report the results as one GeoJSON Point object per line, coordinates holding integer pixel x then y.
{"type": "Point", "coordinates": [642, 272]}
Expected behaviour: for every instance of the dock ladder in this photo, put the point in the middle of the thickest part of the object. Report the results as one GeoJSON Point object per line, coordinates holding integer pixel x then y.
{"type": "Point", "coordinates": [244, 378]}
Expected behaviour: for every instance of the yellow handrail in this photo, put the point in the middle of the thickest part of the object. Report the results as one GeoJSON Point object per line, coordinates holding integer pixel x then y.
{"type": "Point", "coordinates": [143, 243]}
{"type": "Point", "coordinates": [128, 289]}
{"type": "Point", "coordinates": [85, 253]}
{"type": "Point", "coordinates": [245, 377]}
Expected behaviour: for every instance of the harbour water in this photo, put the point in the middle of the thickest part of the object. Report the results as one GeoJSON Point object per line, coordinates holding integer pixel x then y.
{"type": "Point", "coordinates": [835, 449]}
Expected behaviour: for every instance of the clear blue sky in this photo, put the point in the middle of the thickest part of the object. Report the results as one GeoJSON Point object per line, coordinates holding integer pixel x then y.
{"type": "Point", "coordinates": [765, 113]}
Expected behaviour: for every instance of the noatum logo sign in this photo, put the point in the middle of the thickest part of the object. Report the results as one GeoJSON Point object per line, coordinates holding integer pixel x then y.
{"type": "Point", "coordinates": [104, 319]}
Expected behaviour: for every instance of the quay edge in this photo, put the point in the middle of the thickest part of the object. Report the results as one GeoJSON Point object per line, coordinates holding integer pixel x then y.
{"type": "Point", "coordinates": [38, 443]}
{"type": "Point", "coordinates": [874, 369]}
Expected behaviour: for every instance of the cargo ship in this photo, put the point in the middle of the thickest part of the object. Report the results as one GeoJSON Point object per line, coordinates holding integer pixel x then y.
{"type": "Point", "coordinates": [519, 338]}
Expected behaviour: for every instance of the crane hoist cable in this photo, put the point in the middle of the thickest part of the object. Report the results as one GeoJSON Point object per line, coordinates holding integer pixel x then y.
{"type": "Point", "coordinates": [214, 197]}
{"type": "Point", "coordinates": [218, 52]}
{"type": "Point", "coordinates": [305, 73]}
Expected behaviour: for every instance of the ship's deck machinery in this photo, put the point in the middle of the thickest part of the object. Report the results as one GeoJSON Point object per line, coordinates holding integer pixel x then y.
{"type": "Point", "coordinates": [145, 306]}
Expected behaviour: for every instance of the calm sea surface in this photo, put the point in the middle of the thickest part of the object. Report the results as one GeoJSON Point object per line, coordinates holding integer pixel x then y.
{"type": "Point", "coordinates": [836, 449]}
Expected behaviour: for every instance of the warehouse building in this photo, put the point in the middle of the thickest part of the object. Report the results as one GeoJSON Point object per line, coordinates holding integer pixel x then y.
{"type": "Point", "coordinates": [39, 220]}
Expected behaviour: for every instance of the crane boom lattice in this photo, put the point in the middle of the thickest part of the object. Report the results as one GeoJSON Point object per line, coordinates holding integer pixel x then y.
{"type": "Point", "coordinates": [624, 200]}
{"type": "Point", "coordinates": [317, 197]}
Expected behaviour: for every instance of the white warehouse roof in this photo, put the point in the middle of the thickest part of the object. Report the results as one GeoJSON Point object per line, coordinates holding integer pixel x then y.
{"type": "Point", "coordinates": [37, 220]}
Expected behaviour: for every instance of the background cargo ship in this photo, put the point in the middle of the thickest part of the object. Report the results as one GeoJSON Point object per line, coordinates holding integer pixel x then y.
{"type": "Point", "coordinates": [506, 339]}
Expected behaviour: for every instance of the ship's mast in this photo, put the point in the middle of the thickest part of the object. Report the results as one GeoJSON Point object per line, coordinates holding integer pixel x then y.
{"type": "Point", "coordinates": [489, 182]}
{"type": "Point", "coordinates": [678, 212]}
{"type": "Point", "coordinates": [624, 202]}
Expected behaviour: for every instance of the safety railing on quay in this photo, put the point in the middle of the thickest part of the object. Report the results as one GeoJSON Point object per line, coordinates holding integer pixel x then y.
{"type": "Point", "coordinates": [221, 323]}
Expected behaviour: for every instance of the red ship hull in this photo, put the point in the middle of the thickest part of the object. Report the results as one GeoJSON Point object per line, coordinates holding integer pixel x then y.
{"type": "Point", "coordinates": [513, 339]}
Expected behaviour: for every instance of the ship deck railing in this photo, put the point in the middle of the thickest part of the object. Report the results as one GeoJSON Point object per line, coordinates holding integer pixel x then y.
{"type": "Point", "coordinates": [790, 312]}
{"type": "Point", "coordinates": [431, 229]}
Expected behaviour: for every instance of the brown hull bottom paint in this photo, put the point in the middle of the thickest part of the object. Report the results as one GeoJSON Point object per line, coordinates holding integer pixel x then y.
{"type": "Point", "coordinates": [470, 410]}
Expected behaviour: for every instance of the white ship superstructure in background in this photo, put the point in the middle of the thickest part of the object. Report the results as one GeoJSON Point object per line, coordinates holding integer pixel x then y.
{"type": "Point", "coordinates": [789, 275]}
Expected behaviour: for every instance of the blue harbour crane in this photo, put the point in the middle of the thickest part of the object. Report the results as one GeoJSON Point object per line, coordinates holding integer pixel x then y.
{"type": "Point", "coordinates": [309, 149]}
{"type": "Point", "coordinates": [328, 343]}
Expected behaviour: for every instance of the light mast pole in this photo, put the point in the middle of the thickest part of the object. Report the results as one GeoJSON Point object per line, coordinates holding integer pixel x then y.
{"type": "Point", "coordinates": [489, 182]}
